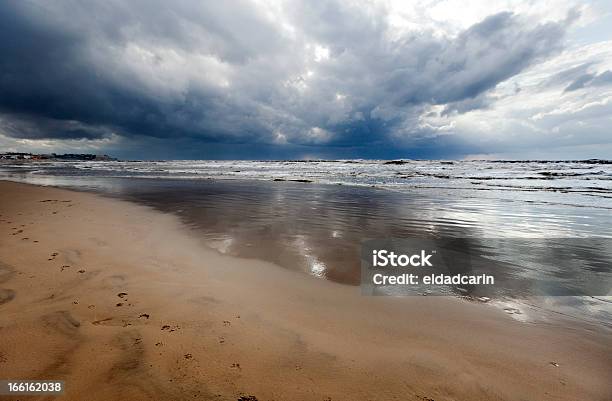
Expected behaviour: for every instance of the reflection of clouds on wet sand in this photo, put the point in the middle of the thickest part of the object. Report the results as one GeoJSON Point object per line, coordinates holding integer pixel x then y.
{"type": "Point", "coordinates": [318, 229]}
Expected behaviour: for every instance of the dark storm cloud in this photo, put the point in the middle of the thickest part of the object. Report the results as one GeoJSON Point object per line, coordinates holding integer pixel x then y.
{"type": "Point", "coordinates": [226, 72]}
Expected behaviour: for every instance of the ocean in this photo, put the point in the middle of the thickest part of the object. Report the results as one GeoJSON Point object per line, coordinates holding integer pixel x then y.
{"type": "Point", "coordinates": [312, 216]}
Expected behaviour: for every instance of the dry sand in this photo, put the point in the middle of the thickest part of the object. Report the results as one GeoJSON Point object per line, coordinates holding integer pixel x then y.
{"type": "Point", "coordinates": [124, 303]}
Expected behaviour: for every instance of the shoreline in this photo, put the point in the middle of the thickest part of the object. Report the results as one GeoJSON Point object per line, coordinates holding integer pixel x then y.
{"type": "Point", "coordinates": [195, 324]}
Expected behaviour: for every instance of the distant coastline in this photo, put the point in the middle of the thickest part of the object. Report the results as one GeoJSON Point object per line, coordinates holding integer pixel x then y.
{"type": "Point", "coordinates": [55, 157]}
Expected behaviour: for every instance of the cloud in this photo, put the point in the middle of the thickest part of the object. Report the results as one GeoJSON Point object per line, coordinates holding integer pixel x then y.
{"type": "Point", "coordinates": [336, 76]}
{"type": "Point", "coordinates": [590, 80]}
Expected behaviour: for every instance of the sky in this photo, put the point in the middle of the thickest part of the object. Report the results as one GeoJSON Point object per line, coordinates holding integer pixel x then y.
{"type": "Point", "coordinates": [275, 79]}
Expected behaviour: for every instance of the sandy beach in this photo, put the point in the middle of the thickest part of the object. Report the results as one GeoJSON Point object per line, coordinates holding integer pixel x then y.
{"type": "Point", "coordinates": [126, 303]}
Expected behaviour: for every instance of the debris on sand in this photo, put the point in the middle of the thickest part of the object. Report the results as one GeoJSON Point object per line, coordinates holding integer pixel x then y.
{"type": "Point", "coordinates": [97, 322]}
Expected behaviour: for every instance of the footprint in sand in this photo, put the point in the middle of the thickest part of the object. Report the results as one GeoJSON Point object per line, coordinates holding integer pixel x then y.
{"type": "Point", "coordinates": [61, 321]}
{"type": "Point", "coordinates": [6, 295]}
{"type": "Point", "coordinates": [169, 328]}
{"type": "Point", "coordinates": [248, 398]}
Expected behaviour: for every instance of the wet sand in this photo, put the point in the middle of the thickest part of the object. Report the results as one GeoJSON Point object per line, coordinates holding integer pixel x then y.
{"type": "Point", "coordinates": [125, 303]}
